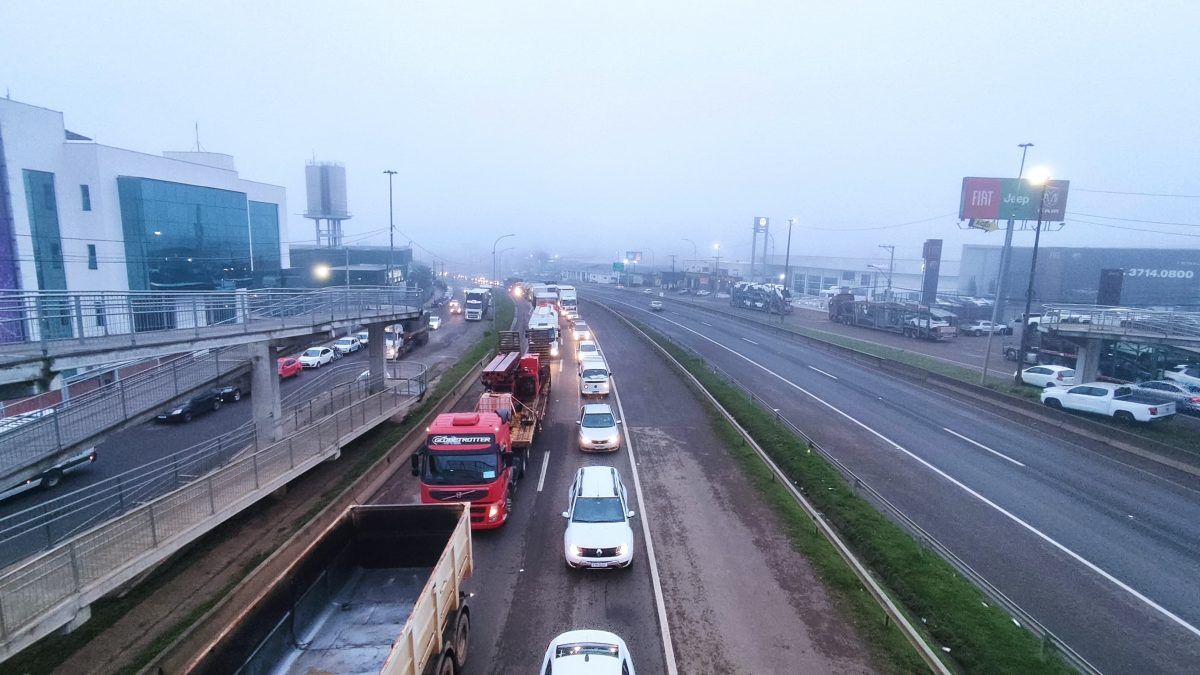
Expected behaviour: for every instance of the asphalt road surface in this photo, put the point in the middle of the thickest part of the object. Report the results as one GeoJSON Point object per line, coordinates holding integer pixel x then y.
{"type": "Point", "coordinates": [1102, 548]}
{"type": "Point", "coordinates": [143, 443]}
{"type": "Point", "coordinates": [734, 596]}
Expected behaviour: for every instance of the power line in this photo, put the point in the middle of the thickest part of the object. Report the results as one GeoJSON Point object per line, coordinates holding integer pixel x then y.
{"type": "Point", "coordinates": [1135, 229]}
{"type": "Point", "coordinates": [1138, 194]}
{"type": "Point", "coordinates": [1136, 220]}
{"type": "Point", "coordinates": [881, 227]}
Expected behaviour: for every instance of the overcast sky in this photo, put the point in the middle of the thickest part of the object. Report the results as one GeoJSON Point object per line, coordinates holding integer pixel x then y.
{"type": "Point", "coordinates": [589, 128]}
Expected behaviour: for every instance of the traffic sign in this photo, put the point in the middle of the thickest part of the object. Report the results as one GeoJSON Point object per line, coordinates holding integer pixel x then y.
{"type": "Point", "coordinates": [618, 267]}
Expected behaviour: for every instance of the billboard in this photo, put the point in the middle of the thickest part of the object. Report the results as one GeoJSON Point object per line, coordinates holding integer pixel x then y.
{"type": "Point", "coordinates": [1012, 199]}
{"type": "Point", "coordinates": [760, 224]}
{"type": "Point", "coordinates": [633, 256]}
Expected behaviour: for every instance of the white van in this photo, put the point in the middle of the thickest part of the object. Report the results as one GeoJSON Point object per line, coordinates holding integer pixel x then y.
{"type": "Point", "coordinates": [594, 377]}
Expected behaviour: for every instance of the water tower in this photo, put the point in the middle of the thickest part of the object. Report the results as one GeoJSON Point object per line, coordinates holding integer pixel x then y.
{"type": "Point", "coordinates": [326, 187]}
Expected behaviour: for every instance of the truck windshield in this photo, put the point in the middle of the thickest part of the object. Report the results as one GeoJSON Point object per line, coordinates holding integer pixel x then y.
{"type": "Point", "coordinates": [598, 510]}
{"type": "Point", "coordinates": [462, 468]}
{"type": "Point", "coordinates": [598, 420]}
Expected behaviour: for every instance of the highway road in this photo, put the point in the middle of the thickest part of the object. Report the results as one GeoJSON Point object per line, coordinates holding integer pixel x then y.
{"type": "Point", "coordinates": [1102, 548]}
{"type": "Point", "coordinates": [143, 443]}
{"type": "Point", "coordinates": [731, 595]}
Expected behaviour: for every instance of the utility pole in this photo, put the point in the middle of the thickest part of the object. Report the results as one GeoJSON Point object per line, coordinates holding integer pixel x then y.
{"type": "Point", "coordinates": [1037, 235]}
{"type": "Point", "coordinates": [1005, 257]}
{"type": "Point", "coordinates": [391, 230]}
{"type": "Point", "coordinates": [891, 249]}
{"type": "Point", "coordinates": [787, 262]}
{"type": "Point", "coordinates": [717, 271]}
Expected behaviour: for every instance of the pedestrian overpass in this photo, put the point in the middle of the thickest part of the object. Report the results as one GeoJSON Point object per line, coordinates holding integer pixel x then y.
{"type": "Point", "coordinates": [1091, 325]}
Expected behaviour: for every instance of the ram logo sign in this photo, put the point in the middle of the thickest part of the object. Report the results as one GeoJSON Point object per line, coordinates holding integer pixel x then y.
{"type": "Point", "coordinates": [986, 199]}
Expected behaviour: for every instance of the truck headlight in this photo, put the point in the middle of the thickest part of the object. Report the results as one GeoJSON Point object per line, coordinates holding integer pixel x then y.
{"type": "Point", "coordinates": [553, 350]}
{"type": "Point", "coordinates": [493, 512]}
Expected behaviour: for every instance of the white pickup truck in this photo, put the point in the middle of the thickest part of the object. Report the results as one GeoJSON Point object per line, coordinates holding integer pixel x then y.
{"type": "Point", "coordinates": [1111, 400]}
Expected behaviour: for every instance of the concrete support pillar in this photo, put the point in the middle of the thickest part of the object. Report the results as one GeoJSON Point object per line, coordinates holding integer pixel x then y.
{"type": "Point", "coordinates": [377, 356]}
{"type": "Point", "coordinates": [1087, 360]}
{"type": "Point", "coordinates": [264, 387]}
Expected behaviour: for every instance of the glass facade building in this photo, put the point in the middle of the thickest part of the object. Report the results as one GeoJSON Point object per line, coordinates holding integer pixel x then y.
{"type": "Point", "coordinates": [188, 237]}
{"type": "Point", "coordinates": [43, 223]}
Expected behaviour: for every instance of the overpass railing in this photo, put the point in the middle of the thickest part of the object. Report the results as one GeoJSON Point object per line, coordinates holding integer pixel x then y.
{"type": "Point", "coordinates": [38, 317]}
{"type": "Point", "coordinates": [46, 591]}
{"type": "Point", "coordinates": [1135, 322]}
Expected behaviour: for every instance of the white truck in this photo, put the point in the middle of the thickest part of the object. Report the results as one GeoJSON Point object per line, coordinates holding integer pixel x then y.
{"type": "Point", "coordinates": [1111, 400]}
{"type": "Point", "coordinates": [380, 591]}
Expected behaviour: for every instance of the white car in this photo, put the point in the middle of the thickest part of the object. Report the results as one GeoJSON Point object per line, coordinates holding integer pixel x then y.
{"type": "Point", "coordinates": [598, 428]}
{"type": "Point", "coordinates": [587, 652]}
{"type": "Point", "coordinates": [1184, 374]}
{"type": "Point", "coordinates": [703, 293]}
{"type": "Point", "coordinates": [656, 305]}
{"type": "Point", "coordinates": [598, 534]}
{"type": "Point", "coordinates": [595, 379]}
{"type": "Point", "coordinates": [978, 328]}
{"type": "Point", "coordinates": [1049, 376]}
{"type": "Point", "coordinates": [586, 348]}
{"type": "Point", "coordinates": [316, 357]}
{"type": "Point", "coordinates": [347, 345]}
{"type": "Point", "coordinates": [435, 322]}
{"type": "Point", "coordinates": [363, 337]}
{"type": "Point", "coordinates": [581, 331]}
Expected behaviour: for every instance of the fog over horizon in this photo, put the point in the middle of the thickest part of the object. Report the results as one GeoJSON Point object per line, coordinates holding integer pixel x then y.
{"type": "Point", "coordinates": [590, 130]}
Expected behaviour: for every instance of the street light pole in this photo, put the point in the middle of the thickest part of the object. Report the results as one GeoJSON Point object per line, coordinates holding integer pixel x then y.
{"type": "Point", "coordinates": [391, 231]}
{"type": "Point", "coordinates": [1037, 236]}
{"type": "Point", "coordinates": [787, 263]}
{"type": "Point", "coordinates": [891, 249]}
{"type": "Point", "coordinates": [717, 271]}
{"type": "Point", "coordinates": [1005, 258]}
{"type": "Point", "coordinates": [498, 240]}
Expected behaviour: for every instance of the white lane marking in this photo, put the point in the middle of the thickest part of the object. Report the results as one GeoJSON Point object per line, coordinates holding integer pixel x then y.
{"type": "Point", "coordinates": [749, 340]}
{"type": "Point", "coordinates": [545, 463]}
{"type": "Point", "coordinates": [1000, 509]}
{"type": "Point", "coordinates": [659, 601]}
{"type": "Point", "coordinates": [707, 324]}
{"type": "Point", "coordinates": [823, 372]}
{"type": "Point", "coordinates": [977, 444]}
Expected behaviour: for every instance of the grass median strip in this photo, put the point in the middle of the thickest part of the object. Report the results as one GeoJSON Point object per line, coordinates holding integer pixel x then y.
{"type": "Point", "coordinates": [52, 651]}
{"type": "Point", "coordinates": [979, 637]}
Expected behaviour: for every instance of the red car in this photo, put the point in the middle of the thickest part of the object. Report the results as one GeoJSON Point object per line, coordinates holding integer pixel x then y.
{"type": "Point", "coordinates": [289, 367]}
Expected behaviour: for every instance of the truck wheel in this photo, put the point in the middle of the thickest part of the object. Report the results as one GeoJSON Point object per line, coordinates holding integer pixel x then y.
{"type": "Point", "coordinates": [445, 665]}
{"type": "Point", "coordinates": [462, 634]}
{"type": "Point", "coordinates": [978, 333]}
{"type": "Point", "coordinates": [1124, 417]}
{"type": "Point", "coordinates": [52, 478]}
{"type": "Point", "coordinates": [1054, 403]}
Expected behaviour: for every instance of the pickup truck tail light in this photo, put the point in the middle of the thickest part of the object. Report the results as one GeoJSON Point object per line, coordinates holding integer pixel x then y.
{"type": "Point", "coordinates": [1058, 376]}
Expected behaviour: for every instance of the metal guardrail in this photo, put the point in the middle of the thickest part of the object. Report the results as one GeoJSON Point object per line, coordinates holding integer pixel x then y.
{"type": "Point", "coordinates": [30, 437]}
{"type": "Point", "coordinates": [1049, 640]}
{"type": "Point", "coordinates": [91, 564]}
{"type": "Point", "coordinates": [36, 318]}
{"type": "Point", "coordinates": [40, 527]}
{"type": "Point", "coordinates": [1131, 321]}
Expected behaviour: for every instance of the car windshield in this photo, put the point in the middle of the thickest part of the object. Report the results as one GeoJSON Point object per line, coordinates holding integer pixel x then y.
{"type": "Point", "coordinates": [590, 648]}
{"type": "Point", "coordinates": [598, 510]}
{"type": "Point", "coordinates": [462, 468]}
{"type": "Point", "coordinates": [344, 341]}
{"type": "Point", "coordinates": [595, 372]}
{"type": "Point", "coordinates": [598, 420]}
{"type": "Point", "coordinates": [312, 352]}
{"type": "Point", "coordinates": [580, 326]}
{"type": "Point", "coordinates": [588, 347]}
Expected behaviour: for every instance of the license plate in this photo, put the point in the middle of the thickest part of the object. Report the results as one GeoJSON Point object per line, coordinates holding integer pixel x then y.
{"type": "Point", "coordinates": [598, 564]}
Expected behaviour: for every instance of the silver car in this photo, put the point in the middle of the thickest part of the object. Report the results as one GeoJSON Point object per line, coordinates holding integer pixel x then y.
{"type": "Point", "coordinates": [1186, 396]}
{"type": "Point", "coordinates": [598, 430]}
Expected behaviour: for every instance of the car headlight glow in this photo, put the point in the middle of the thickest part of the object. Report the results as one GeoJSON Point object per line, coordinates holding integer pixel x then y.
{"type": "Point", "coordinates": [576, 551]}
{"type": "Point", "coordinates": [614, 438]}
{"type": "Point", "coordinates": [622, 549]}
{"type": "Point", "coordinates": [177, 411]}
{"type": "Point", "coordinates": [553, 350]}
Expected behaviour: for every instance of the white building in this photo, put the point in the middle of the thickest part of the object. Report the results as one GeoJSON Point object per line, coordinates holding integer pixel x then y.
{"type": "Point", "coordinates": [80, 216]}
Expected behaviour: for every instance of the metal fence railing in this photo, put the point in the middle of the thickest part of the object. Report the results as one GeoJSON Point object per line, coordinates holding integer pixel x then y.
{"type": "Point", "coordinates": [35, 318]}
{"type": "Point", "coordinates": [1049, 640]}
{"type": "Point", "coordinates": [29, 437]}
{"type": "Point", "coordinates": [40, 527]}
{"type": "Point", "coordinates": [1131, 321]}
{"type": "Point", "coordinates": [94, 562]}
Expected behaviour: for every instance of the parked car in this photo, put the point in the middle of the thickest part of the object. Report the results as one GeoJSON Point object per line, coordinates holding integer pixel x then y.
{"type": "Point", "coordinates": [581, 331]}
{"type": "Point", "coordinates": [229, 393]}
{"type": "Point", "coordinates": [656, 305]}
{"type": "Point", "coordinates": [435, 322]}
{"type": "Point", "coordinates": [647, 291]}
{"type": "Point", "coordinates": [363, 337]}
{"type": "Point", "coordinates": [315, 357]}
{"type": "Point", "coordinates": [209, 401]}
{"type": "Point", "coordinates": [682, 291]}
{"type": "Point", "coordinates": [598, 428]}
{"type": "Point", "coordinates": [1049, 376]}
{"type": "Point", "coordinates": [347, 345]}
{"type": "Point", "coordinates": [598, 534]}
{"type": "Point", "coordinates": [587, 651]}
{"type": "Point", "coordinates": [288, 367]}
{"type": "Point", "coordinates": [1185, 374]}
{"type": "Point", "coordinates": [1186, 396]}
{"type": "Point", "coordinates": [1111, 400]}
{"type": "Point", "coordinates": [978, 328]}
{"type": "Point", "coordinates": [703, 293]}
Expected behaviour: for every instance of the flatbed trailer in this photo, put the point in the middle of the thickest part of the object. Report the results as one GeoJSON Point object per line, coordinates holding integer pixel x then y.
{"type": "Point", "coordinates": [894, 317]}
{"type": "Point", "coordinates": [377, 591]}
{"type": "Point", "coordinates": [519, 387]}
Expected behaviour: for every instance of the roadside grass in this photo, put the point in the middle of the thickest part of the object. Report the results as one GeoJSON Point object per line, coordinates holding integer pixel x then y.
{"type": "Point", "coordinates": [52, 651]}
{"type": "Point", "coordinates": [980, 638]}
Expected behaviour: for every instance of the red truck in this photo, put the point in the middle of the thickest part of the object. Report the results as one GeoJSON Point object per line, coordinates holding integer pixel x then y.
{"type": "Point", "coordinates": [479, 456]}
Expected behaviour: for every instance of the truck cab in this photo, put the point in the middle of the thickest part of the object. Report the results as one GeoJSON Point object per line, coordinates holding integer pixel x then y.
{"type": "Point", "coordinates": [467, 457]}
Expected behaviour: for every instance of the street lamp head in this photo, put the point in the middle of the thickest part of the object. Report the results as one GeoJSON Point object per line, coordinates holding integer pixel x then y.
{"type": "Point", "coordinates": [1039, 176]}
{"type": "Point", "coordinates": [321, 272]}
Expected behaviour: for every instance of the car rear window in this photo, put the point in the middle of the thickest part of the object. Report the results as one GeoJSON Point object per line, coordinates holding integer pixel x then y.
{"type": "Point", "coordinates": [1068, 373]}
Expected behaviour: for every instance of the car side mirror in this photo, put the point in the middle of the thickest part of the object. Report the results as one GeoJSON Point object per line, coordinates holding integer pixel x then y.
{"type": "Point", "coordinates": [566, 515]}
{"type": "Point", "coordinates": [620, 421]}
{"type": "Point", "coordinates": [416, 464]}
{"type": "Point", "coordinates": [579, 422]}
